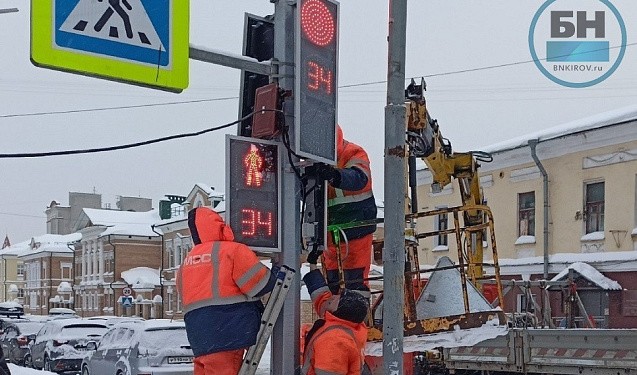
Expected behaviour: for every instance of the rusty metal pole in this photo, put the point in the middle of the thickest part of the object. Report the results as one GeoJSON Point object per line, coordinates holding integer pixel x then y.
{"type": "Point", "coordinates": [395, 154]}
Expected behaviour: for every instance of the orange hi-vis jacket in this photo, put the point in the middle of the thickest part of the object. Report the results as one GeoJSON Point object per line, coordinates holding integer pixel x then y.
{"type": "Point", "coordinates": [337, 347]}
{"type": "Point", "coordinates": [220, 273]}
{"type": "Point", "coordinates": [220, 282]}
{"type": "Point", "coordinates": [353, 200]}
{"type": "Point", "coordinates": [352, 156]}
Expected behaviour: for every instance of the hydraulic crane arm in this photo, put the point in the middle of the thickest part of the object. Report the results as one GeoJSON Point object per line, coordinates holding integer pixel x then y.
{"type": "Point", "coordinates": [426, 142]}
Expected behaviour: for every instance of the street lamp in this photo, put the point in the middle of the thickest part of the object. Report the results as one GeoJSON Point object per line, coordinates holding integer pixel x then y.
{"type": "Point", "coordinates": [8, 10]}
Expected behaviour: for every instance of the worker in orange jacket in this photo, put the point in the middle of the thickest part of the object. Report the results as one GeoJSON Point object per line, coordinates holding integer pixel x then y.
{"type": "Point", "coordinates": [349, 199]}
{"type": "Point", "coordinates": [335, 343]}
{"type": "Point", "coordinates": [220, 282]}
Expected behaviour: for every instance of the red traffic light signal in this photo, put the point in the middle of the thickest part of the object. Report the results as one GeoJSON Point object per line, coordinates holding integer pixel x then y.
{"type": "Point", "coordinates": [316, 83]}
{"type": "Point", "coordinates": [254, 192]}
{"type": "Point", "coordinates": [317, 23]}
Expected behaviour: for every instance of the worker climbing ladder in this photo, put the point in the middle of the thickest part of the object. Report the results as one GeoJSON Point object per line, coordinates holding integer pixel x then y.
{"type": "Point", "coordinates": [270, 315]}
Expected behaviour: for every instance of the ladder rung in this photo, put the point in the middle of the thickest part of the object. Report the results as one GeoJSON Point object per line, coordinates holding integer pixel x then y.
{"type": "Point", "coordinates": [269, 317]}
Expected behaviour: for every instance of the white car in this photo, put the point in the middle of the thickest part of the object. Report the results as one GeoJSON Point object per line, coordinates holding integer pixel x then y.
{"type": "Point", "coordinates": [61, 344]}
{"type": "Point", "coordinates": [150, 347]}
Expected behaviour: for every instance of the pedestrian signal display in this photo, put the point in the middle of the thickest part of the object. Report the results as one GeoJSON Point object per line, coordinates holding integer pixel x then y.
{"type": "Point", "coordinates": [316, 84]}
{"type": "Point", "coordinates": [253, 192]}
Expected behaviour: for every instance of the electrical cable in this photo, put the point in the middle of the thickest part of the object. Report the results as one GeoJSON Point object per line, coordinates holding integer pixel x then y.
{"type": "Point", "coordinates": [115, 108]}
{"type": "Point", "coordinates": [131, 145]}
{"type": "Point", "coordinates": [489, 67]}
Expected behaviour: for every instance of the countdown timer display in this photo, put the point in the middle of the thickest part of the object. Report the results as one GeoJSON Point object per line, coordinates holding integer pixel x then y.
{"type": "Point", "coordinates": [253, 192]}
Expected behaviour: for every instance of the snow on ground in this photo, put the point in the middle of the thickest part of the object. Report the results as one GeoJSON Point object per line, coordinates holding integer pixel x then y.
{"type": "Point", "coordinates": [453, 339]}
{"type": "Point", "coordinates": [19, 370]}
{"type": "Point", "coordinates": [457, 338]}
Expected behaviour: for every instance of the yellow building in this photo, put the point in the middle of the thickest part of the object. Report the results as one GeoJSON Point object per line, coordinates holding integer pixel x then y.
{"type": "Point", "coordinates": [568, 189]}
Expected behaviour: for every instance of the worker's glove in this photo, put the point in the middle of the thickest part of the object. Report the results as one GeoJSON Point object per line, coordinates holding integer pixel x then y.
{"type": "Point", "coordinates": [329, 173]}
{"type": "Point", "coordinates": [312, 257]}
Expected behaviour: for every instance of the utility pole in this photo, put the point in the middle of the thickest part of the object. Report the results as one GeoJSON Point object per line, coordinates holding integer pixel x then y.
{"type": "Point", "coordinates": [285, 337]}
{"type": "Point", "coordinates": [395, 153]}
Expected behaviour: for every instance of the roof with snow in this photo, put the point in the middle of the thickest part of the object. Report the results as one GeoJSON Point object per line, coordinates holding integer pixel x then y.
{"type": "Point", "coordinates": [141, 277]}
{"type": "Point", "coordinates": [569, 258]}
{"type": "Point", "coordinates": [589, 273]}
{"type": "Point", "coordinates": [49, 243]}
{"type": "Point", "coordinates": [617, 116]}
{"type": "Point", "coordinates": [126, 223]}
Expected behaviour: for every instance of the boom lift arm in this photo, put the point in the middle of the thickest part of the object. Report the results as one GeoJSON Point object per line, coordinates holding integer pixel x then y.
{"type": "Point", "coordinates": [422, 309]}
{"type": "Point", "coordinates": [426, 142]}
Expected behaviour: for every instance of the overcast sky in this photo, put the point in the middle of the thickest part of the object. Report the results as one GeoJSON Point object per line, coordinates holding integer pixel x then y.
{"type": "Point", "coordinates": [474, 109]}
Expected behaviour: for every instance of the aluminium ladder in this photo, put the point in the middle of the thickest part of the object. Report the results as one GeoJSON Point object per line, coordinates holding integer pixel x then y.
{"type": "Point", "coordinates": [270, 315]}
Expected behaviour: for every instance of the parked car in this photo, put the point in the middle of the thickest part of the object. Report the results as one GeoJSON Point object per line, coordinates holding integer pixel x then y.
{"type": "Point", "coordinates": [111, 320]}
{"type": "Point", "coordinates": [60, 344]}
{"type": "Point", "coordinates": [55, 311]}
{"type": "Point", "coordinates": [16, 340]}
{"type": "Point", "coordinates": [4, 322]}
{"type": "Point", "coordinates": [157, 346]}
{"type": "Point", "coordinates": [10, 308]}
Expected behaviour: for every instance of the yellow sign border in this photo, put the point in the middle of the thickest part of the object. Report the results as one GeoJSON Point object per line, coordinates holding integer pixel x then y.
{"type": "Point", "coordinates": [173, 79]}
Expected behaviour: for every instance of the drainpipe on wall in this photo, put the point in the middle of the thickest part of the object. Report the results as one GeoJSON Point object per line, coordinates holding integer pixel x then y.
{"type": "Point", "coordinates": [73, 274]}
{"type": "Point", "coordinates": [113, 270]}
{"type": "Point", "coordinates": [48, 307]}
{"type": "Point", "coordinates": [4, 281]}
{"type": "Point", "coordinates": [545, 193]}
{"type": "Point", "coordinates": [161, 271]}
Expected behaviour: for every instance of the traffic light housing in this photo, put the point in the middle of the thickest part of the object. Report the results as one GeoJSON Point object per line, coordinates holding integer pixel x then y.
{"type": "Point", "coordinates": [258, 43]}
{"type": "Point", "coordinates": [316, 73]}
{"type": "Point", "coordinates": [253, 190]}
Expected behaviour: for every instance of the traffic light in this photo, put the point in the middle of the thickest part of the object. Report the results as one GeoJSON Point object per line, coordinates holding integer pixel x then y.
{"type": "Point", "coordinates": [316, 84]}
{"type": "Point", "coordinates": [258, 42]}
{"type": "Point", "coordinates": [254, 192]}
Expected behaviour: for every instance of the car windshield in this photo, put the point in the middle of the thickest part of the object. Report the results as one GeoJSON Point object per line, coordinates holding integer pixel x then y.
{"type": "Point", "coordinates": [83, 330]}
{"type": "Point", "coordinates": [29, 328]}
{"type": "Point", "coordinates": [157, 339]}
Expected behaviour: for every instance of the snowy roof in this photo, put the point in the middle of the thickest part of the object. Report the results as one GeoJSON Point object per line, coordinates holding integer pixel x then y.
{"type": "Point", "coordinates": [54, 243]}
{"type": "Point", "coordinates": [126, 223]}
{"type": "Point", "coordinates": [569, 258]}
{"type": "Point", "coordinates": [10, 304]}
{"type": "Point", "coordinates": [591, 274]}
{"type": "Point", "coordinates": [205, 187]}
{"type": "Point", "coordinates": [600, 120]}
{"type": "Point", "coordinates": [64, 287]}
{"type": "Point", "coordinates": [141, 277]}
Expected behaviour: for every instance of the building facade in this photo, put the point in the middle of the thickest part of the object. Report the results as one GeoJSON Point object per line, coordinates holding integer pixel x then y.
{"type": "Point", "coordinates": [48, 269]}
{"type": "Point", "coordinates": [566, 192]}
{"type": "Point", "coordinates": [113, 243]}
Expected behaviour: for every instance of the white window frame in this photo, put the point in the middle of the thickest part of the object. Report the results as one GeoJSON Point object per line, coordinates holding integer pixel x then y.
{"type": "Point", "coordinates": [437, 221]}
{"type": "Point", "coordinates": [66, 267]}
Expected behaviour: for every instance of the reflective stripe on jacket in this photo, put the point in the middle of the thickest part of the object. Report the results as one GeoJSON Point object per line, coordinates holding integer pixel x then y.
{"type": "Point", "coordinates": [348, 206]}
{"type": "Point", "coordinates": [336, 348]}
{"type": "Point", "coordinates": [353, 156]}
{"type": "Point", "coordinates": [219, 284]}
{"type": "Point", "coordinates": [220, 273]}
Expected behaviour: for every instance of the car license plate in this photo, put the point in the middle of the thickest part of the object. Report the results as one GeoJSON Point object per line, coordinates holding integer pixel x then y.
{"type": "Point", "coordinates": [173, 360]}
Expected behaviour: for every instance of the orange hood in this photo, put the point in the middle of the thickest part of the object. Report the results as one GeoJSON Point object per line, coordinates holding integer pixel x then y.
{"type": "Point", "coordinates": [207, 226]}
{"type": "Point", "coordinates": [340, 141]}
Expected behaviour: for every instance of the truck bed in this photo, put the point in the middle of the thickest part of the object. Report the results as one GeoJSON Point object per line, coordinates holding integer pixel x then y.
{"type": "Point", "coordinates": [551, 351]}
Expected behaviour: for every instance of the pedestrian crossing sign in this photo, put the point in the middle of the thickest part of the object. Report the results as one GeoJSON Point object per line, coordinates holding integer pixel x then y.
{"type": "Point", "coordinates": [144, 42]}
